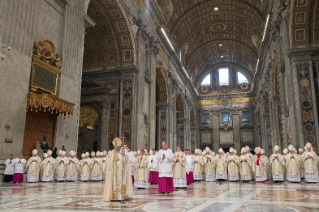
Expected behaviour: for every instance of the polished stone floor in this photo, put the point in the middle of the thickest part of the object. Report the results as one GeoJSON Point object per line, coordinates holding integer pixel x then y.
{"type": "Point", "coordinates": [201, 196]}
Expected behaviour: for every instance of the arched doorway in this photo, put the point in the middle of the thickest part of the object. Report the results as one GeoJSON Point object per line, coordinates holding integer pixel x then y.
{"type": "Point", "coordinates": [161, 107]}
{"type": "Point", "coordinates": [88, 129]}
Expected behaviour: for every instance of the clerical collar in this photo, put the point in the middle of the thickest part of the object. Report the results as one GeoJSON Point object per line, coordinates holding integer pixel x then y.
{"type": "Point", "coordinates": [165, 149]}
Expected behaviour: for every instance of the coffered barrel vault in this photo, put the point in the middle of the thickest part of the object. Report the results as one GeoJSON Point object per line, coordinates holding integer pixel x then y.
{"type": "Point", "coordinates": [216, 32]}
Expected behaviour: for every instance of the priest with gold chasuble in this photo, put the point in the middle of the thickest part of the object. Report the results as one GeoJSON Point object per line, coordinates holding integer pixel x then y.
{"type": "Point", "coordinates": [292, 165]}
{"type": "Point", "coordinates": [118, 183]}
{"type": "Point", "coordinates": [179, 169]}
{"type": "Point", "coordinates": [141, 175]}
{"type": "Point", "coordinates": [277, 163]}
{"type": "Point", "coordinates": [310, 164]}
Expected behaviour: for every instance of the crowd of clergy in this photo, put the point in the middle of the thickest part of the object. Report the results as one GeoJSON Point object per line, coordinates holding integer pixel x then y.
{"type": "Point", "coordinates": [171, 170]}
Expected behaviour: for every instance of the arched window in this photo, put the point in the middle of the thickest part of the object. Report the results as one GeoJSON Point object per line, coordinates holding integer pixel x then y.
{"type": "Point", "coordinates": [241, 78]}
{"type": "Point", "coordinates": [223, 76]}
{"type": "Point", "coordinates": [206, 81]}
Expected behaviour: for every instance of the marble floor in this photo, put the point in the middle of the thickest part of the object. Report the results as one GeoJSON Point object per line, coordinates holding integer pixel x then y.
{"type": "Point", "coordinates": [201, 196]}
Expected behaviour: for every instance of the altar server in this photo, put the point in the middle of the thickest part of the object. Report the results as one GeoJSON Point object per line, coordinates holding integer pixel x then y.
{"type": "Point", "coordinates": [165, 158]}
{"type": "Point", "coordinates": [9, 171]}
{"type": "Point", "coordinates": [153, 168]}
{"type": "Point", "coordinates": [19, 165]}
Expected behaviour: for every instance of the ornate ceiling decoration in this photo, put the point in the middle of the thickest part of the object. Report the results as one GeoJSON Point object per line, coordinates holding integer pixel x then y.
{"type": "Point", "coordinates": [110, 43]}
{"type": "Point", "coordinates": [215, 36]}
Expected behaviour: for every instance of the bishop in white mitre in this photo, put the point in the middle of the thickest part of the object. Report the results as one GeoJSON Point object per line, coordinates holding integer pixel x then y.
{"type": "Point", "coordinates": [245, 165]}
{"type": "Point", "coordinates": [85, 168]}
{"type": "Point", "coordinates": [277, 163]}
{"type": "Point", "coordinates": [233, 163]}
{"type": "Point", "coordinates": [165, 158]}
{"type": "Point", "coordinates": [61, 165]}
{"type": "Point", "coordinates": [210, 163]}
{"type": "Point", "coordinates": [179, 169]}
{"type": "Point", "coordinates": [221, 166]}
{"type": "Point", "coordinates": [310, 159]}
{"type": "Point", "coordinates": [261, 165]}
{"type": "Point", "coordinates": [118, 183]}
{"type": "Point", "coordinates": [96, 167]}
{"type": "Point", "coordinates": [56, 167]}
{"type": "Point", "coordinates": [47, 167]}
{"type": "Point", "coordinates": [72, 168]}
{"type": "Point", "coordinates": [141, 174]}
{"type": "Point", "coordinates": [292, 165]}
{"type": "Point", "coordinates": [104, 163]}
{"type": "Point", "coordinates": [197, 166]}
{"type": "Point", "coordinates": [301, 162]}
{"type": "Point", "coordinates": [33, 167]}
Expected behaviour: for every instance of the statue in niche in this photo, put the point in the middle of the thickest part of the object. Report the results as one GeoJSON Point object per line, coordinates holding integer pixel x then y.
{"type": "Point", "coordinates": [256, 41]}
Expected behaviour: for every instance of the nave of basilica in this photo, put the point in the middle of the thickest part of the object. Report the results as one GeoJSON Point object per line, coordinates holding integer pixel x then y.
{"type": "Point", "coordinates": [152, 105]}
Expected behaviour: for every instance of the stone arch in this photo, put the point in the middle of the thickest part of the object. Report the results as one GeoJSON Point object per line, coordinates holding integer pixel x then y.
{"type": "Point", "coordinates": [299, 27]}
{"type": "Point", "coordinates": [180, 105]}
{"type": "Point", "coordinates": [111, 42]}
{"type": "Point", "coordinates": [161, 87]}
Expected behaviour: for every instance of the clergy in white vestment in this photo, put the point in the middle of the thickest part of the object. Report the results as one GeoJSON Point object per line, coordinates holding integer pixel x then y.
{"type": "Point", "coordinates": [277, 163]}
{"type": "Point", "coordinates": [284, 154]}
{"type": "Point", "coordinates": [301, 162]}
{"type": "Point", "coordinates": [292, 165]}
{"type": "Point", "coordinates": [72, 168]}
{"type": "Point", "coordinates": [80, 166]}
{"type": "Point", "coordinates": [132, 158]}
{"type": "Point", "coordinates": [19, 165]}
{"type": "Point", "coordinates": [210, 165]}
{"type": "Point", "coordinates": [179, 169]}
{"type": "Point", "coordinates": [47, 167]}
{"type": "Point", "coordinates": [85, 168]}
{"type": "Point", "coordinates": [61, 165]}
{"type": "Point", "coordinates": [96, 167]}
{"type": "Point", "coordinates": [141, 174]}
{"type": "Point", "coordinates": [233, 163]}
{"type": "Point", "coordinates": [9, 171]}
{"type": "Point", "coordinates": [245, 165]}
{"type": "Point", "coordinates": [221, 166]}
{"type": "Point", "coordinates": [104, 163]}
{"type": "Point", "coordinates": [153, 168]}
{"type": "Point", "coordinates": [310, 159]}
{"type": "Point", "coordinates": [197, 166]}
{"type": "Point", "coordinates": [118, 183]}
{"type": "Point", "coordinates": [33, 167]}
{"type": "Point", "coordinates": [165, 158]}
{"type": "Point", "coordinates": [56, 168]}
{"type": "Point", "coordinates": [189, 167]}
{"type": "Point", "coordinates": [261, 165]}
{"type": "Point", "coordinates": [251, 156]}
